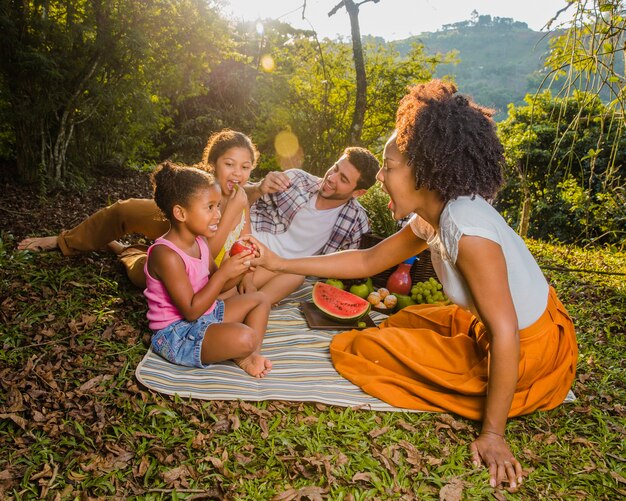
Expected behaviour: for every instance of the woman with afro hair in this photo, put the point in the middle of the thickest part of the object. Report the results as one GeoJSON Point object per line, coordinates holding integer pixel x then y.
{"type": "Point", "coordinates": [506, 346]}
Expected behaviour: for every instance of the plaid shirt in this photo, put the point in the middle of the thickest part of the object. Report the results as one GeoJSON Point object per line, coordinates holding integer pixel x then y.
{"type": "Point", "coordinates": [273, 213]}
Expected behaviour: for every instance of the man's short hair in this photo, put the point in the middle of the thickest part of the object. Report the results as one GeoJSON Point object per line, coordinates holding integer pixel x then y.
{"type": "Point", "coordinates": [366, 163]}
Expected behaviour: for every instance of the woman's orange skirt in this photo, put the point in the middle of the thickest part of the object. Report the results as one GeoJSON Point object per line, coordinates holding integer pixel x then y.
{"type": "Point", "coordinates": [435, 358]}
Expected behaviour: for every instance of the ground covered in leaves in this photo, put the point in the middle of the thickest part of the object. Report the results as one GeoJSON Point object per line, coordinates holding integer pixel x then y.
{"type": "Point", "coordinates": [75, 424]}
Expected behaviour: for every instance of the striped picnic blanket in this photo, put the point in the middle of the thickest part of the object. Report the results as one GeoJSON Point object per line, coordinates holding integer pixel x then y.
{"type": "Point", "coordinates": [302, 369]}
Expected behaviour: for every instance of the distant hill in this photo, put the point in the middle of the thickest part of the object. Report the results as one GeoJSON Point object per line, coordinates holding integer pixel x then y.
{"type": "Point", "coordinates": [500, 60]}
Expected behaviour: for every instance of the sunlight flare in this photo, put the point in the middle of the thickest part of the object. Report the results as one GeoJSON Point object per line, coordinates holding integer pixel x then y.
{"type": "Point", "coordinates": [267, 63]}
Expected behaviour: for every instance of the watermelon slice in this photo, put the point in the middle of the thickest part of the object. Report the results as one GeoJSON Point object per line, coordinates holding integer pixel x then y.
{"type": "Point", "coordinates": [339, 305]}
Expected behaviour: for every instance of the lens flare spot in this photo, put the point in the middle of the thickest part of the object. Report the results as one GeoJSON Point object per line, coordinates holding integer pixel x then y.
{"type": "Point", "coordinates": [286, 144]}
{"type": "Point", "coordinates": [267, 63]}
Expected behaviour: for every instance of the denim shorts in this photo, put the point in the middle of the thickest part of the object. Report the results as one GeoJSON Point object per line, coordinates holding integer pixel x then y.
{"type": "Point", "coordinates": [181, 341]}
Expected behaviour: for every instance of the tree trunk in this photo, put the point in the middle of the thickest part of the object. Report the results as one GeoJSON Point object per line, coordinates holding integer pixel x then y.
{"type": "Point", "coordinates": [360, 104]}
{"type": "Point", "coordinates": [57, 146]}
{"type": "Point", "coordinates": [58, 150]}
{"type": "Point", "coordinates": [524, 222]}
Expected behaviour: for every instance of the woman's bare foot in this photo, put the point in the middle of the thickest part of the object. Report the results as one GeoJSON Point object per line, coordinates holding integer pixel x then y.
{"type": "Point", "coordinates": [38, 244]}
{"type": "Point", "coordinates": [256, 365]}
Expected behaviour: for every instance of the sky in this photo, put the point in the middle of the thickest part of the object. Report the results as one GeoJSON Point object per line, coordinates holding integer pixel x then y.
{"type": "Point", "coordinates": [392, 19]}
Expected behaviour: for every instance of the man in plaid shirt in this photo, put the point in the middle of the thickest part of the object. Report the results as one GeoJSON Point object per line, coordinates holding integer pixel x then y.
{"type": "Point", "coordinates": [297, 214]}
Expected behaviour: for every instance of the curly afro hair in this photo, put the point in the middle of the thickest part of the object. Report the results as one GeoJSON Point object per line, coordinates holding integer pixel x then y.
{"type": "Point", "coordinates": [450, 142]}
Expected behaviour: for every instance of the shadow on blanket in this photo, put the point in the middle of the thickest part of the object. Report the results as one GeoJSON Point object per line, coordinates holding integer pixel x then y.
{"type": "Point", "coordinates": [302, 372]}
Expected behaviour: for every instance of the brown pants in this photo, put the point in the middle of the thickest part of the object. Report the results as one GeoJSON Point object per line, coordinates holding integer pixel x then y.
{"type": "Point", "coordinates": [135, 215]}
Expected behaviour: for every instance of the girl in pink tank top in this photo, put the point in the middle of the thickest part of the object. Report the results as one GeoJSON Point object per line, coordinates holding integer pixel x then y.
{"type": "Point", "coordinates": [190, 325]}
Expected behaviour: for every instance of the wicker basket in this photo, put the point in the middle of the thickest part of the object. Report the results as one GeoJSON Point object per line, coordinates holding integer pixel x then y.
{"type": "Point", "coordinates": [421, 270]}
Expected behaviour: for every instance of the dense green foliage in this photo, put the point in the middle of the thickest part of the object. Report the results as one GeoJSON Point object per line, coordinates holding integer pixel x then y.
{"type": "Point", "coordinates": [75, 424]}
{"type": "Point", "coordinates": [375, 202]}
{"type": "Point", "coordinates": [315, 101]}
{"type": "Point", "coordinates": [86, 86]}
{"type": "Point", "coordinates": [567, 155]}
{"type": "Point", "coordinates": [127, 84]}
{"type": "Point", "coordinates": [86, 83]}
{"type": "Point", "coordinates": [588, 52]}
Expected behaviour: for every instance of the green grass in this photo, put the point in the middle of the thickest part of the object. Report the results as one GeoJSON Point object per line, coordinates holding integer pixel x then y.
{"type": "Point", "coordinates": [74, 423]}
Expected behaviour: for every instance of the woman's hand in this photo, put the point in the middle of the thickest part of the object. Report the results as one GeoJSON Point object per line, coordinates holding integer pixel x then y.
{"type": "Point", "coordinates": [263, 256]}
{"type": "Point", "coordinates": [492, 450]}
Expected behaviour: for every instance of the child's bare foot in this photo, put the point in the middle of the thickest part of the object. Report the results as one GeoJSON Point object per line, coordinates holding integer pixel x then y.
{"type": "Point", "coordinates": [38, 244]}
{"type": "Point", "coordinates": [256, 365]}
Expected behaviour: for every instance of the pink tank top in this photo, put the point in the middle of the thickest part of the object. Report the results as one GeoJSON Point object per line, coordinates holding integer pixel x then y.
{"type": "Point", "coordinates": [161, 310]}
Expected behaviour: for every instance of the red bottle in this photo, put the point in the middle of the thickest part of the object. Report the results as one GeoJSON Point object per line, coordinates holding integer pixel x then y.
{"type": "Point", "coordinates": [399, 282]}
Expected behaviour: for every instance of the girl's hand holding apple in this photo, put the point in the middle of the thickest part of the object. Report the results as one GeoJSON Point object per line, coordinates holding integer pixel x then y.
{"type": "Point", "coordinates": [236, 266]}
{"type": "Point", "coordinates": [242, 246]}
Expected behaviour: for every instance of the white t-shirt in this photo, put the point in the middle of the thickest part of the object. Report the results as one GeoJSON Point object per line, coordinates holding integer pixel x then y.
{"type": "Point", "coordinates": [309, 230]}
{"type": "Point", "coordinates": [465, 216]}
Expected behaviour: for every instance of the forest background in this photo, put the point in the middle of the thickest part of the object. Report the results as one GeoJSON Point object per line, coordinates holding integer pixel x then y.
{"type": "Point", "coordinates": [88, 87]}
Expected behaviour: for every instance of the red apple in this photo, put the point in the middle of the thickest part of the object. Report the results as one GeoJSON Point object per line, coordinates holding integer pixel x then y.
{"type": "Point", "coordinates": [240, 246]}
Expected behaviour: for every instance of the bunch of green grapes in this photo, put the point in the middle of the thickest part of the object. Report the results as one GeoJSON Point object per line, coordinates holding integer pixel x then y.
{"type": "Point", "coordinates": [429, 292]}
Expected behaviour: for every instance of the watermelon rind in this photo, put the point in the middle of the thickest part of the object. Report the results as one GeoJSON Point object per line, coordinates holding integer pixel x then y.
{"type": "Point", "coordinates": [339, 305]}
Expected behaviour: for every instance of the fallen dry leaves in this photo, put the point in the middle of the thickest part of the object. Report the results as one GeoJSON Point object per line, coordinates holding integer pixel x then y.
{"type": "Point", "coordinates": [69, 383]}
